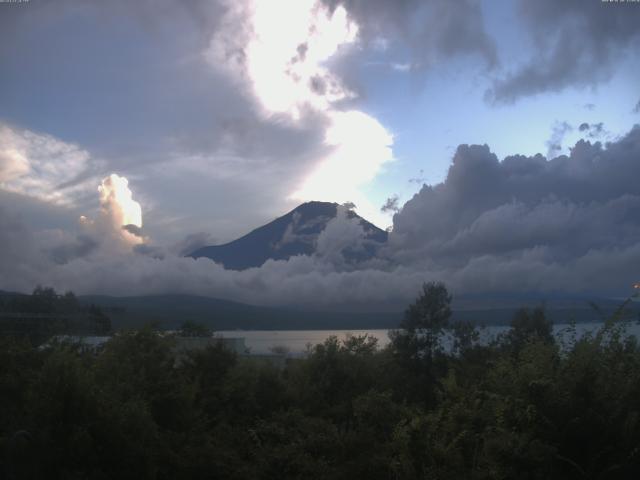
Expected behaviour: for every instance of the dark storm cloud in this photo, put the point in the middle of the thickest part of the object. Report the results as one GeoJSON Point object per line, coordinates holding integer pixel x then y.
{"type": "Point", "coordinates": [578, 213]}
{"type": "Point", "coordinates": [432, 30]}
{"type": "Point", "coordinates": [577, 43]}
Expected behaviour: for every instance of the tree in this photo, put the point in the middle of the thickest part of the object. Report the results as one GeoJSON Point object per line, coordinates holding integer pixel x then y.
{"type": "Point", "coordinates": [527, 326]}
{"type": "Point", "coordinates": [465, 336]}
{"type": "Point", "coordinates": [194, 329]}
{"type": "Point", "coordinates": [424, 322]}
{"type": "Point", "coordinates": [43, 300]}
{"type": "Point", "coordinates": [416, 344]}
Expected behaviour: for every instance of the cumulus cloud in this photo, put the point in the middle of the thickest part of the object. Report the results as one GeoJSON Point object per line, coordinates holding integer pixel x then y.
{"type": "Point", "coordinates": [205, 119]}
{"type": "Point", "coordinates": [291, 128]}
{"type": "Point", "coordinates": [577, 44]}
{"type": "Point", "coordinates": [342, 233]}
{"type": "Point", "coordinates": [117, 203]}
{"type": "Point", "coordinates": [569, 224]}
{"type": "Point", "coordinates": [309, 280]}
{"type": "Point", "coordinates": [547, 216]}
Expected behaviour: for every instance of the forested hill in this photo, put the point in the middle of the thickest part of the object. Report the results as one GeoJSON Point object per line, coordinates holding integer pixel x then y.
{"type": "Point", "coordinates": [168, 311]}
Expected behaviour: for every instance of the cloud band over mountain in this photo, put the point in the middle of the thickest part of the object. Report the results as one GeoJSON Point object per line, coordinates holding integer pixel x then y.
{"type": "Point", "coordinates": [570, 224]}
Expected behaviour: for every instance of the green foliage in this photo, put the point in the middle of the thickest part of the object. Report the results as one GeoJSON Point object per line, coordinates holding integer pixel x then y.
{"type": "Point", "coordinates": [194, 329]}
{"type": "Point", "coordinates": [418, 339]}
{"type": "Point", "coordinates": [45, 313]}
{"type": "Point", "coordinates": [42, 300]}
{"type": "Point", "coordinates": [522, 407]}
{"type": "Point", "coordinates": [417, 345]}
{"type": "Point", "coordinates": [528, 326]}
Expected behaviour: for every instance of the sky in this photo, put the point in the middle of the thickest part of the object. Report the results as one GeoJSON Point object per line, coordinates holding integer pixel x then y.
{"type": "Point", "coordinates": [457, 125]}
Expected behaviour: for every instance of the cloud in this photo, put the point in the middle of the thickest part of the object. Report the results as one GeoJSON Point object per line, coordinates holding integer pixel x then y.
{"type": "Point", "coordinates": [391, 204]}
{"type": "Point", "coordinates": [119, 209]}
{"type": "Point", "coordinates": [360, 146]}
{"type": "Point", "coordinates": [18, 253]}
{"type": "Point", "coordinates": [576, 44]}
{"type": "Point", "coordinates": [431, 30]}
{"type": "Point", "coordinates": [554, 144]}
{"type": "Point", "coordinates": [81, 246]}
{"type": "Point", "coordinates": [593, 130]}
{"type": "Point", "coordinates": [285, 67]}
{"type": "Point", "coordinates": [133, 230]}
{"type": "Point", "coordinates": [204, 119]}
{"type": "Point", "coordinates": [528, 216]}
{"type": "Point", "coordinates": [289, 74]}
{"type": "Point", "coordinates": [522, 224]}
{"type": "Point", "coordinates": [342, 233]}
{"type": "Point", "coordinates": [193, 242]}
{"type": "Point", "coordinates": [39, 165]}
{"type": "Point", "coordinates": [401, 67]}
{"type": "Point", "coordinates": [145, 269]}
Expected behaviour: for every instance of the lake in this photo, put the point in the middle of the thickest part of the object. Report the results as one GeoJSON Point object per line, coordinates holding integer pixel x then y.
{"type": "Point", "coordinates": [261, 341]}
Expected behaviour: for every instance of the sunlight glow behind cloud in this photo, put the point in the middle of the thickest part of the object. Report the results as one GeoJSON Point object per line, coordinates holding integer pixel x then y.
{"type": "Point", "coordinates": [118, 205]}
{"type": "Point", "coordinates": [360, 146]}
{"type": "Point", "coordinates": [285, 63]}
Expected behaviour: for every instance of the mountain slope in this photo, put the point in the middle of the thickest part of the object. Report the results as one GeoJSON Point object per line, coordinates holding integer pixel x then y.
{"type": "Point", "coordinates": [169, 311]}
{"type": "Point", "coordinates": [292, 234]}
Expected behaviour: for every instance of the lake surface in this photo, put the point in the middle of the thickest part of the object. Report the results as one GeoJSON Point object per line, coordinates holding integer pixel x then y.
{"type": "Point", "coordinates": [296, 341]}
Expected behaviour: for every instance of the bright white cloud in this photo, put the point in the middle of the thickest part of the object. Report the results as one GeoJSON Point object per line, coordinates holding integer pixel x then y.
{"type": "Point", "coordinates": [360, 147]}
{"type": "Point", "coordinates": [286, 69]}
{"type": "Point", "coordinates": [37, 165]}
{"type": "Point", "coordinates": [118, 206]}
{"type": "Point", "coordinates": [286, 63]}
{"type": "Point", "coordinates": [342, 232]}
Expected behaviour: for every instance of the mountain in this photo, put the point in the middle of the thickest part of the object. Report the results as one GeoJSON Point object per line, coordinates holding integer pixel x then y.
{"type": "Point", "coordinates": [295, 233]}
{"type": "Point", "coordinates": [169, 311]}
